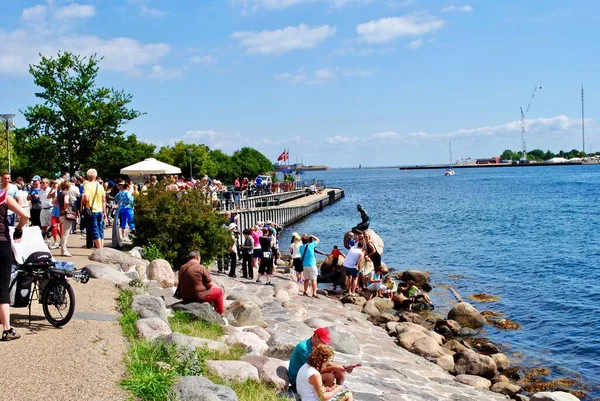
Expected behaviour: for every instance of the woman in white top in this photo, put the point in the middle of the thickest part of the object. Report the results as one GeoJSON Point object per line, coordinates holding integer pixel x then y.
{"type": "Point", "coordinates": [309, 382]}
{"type": "Point", "coordinates": [296, 257]}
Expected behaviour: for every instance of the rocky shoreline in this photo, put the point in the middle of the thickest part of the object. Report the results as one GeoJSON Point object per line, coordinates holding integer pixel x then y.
{"type": "Point", "coordinates": [404, 356]}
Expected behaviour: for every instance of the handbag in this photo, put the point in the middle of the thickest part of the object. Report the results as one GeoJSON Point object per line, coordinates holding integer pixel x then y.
{"type": "Point", "coordinates": [87, 212]}
{"type": "Point", "coordinates": [70, 214]}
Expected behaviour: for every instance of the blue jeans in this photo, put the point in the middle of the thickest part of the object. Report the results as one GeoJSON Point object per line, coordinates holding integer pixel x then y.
{"type": "Point", "coordinates": [96, 225]}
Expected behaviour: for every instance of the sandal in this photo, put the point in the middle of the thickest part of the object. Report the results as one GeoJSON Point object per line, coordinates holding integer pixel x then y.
{"type": "Point", "coordinates": [10, 334]}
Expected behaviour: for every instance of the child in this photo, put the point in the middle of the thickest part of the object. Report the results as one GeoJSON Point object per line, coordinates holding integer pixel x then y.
{"type": "Point", "coordinates": [351, 241]}
{"type": "Point", "coordinates": [412, 292]}
{"type": "Point", "coordinates": [390, 286]}
{"type": "Point", "coordinates": [335, 255]}
{"type": "Point", "coordinates": [375, 282]}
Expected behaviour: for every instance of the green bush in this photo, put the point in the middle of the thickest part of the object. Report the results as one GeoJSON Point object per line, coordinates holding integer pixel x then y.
{"type": "Point", "coordinates": [152, 252]}
{"type": "Point", "coordinates": [179, 222]}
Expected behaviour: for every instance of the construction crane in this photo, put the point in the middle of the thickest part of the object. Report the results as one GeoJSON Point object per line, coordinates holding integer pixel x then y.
{"type": "Point", "coordinates": [524, 148]}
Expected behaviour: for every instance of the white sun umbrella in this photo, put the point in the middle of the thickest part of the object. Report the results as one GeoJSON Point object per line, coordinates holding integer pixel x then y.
{"type": "Point", "coordinates": [150, 167]}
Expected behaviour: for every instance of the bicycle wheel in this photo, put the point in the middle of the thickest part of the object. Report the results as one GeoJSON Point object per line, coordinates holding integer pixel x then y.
{"type": "Point", "coordinates": [58, 302]}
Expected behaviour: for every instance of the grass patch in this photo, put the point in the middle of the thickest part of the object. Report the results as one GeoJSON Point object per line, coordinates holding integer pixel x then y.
{"type": "Point", "coordinates": [186, 324]}
{"type": "Point", "coordinates": [235, 353]}
{"type": "Point", "coordinates": [251, 390]}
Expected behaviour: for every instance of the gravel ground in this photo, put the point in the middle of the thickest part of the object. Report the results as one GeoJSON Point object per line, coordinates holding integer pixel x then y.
{"type": "Point", "coordinates": [83, 360]}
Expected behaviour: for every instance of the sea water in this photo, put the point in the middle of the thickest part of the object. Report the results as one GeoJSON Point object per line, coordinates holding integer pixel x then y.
{"type": "Point", "coordinates": [530, 236]}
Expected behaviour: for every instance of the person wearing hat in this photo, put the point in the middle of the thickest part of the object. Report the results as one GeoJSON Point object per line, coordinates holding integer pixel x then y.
{"type": "Point", "coordinates": [330, 372]}
{"type": "Point", "coordinates": [232, 227]}
{"type": "Point", "coordinates": [310, 383]}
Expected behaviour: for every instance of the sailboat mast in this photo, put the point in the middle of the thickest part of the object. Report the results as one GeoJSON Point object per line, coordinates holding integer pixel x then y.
{"type": "Point", "coordinates": [582, 121]}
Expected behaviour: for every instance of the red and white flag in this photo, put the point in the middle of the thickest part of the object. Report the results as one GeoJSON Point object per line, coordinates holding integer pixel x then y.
{"type": "Point", "coordinates": [286, 156]}
{"type": "Point", "coordinates": [281, 157]}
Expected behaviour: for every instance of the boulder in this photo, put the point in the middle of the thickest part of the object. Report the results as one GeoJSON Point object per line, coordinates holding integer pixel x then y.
{"type": "Point", "coordinates": [152, 328]}
{"type": "Point", "coordinates": [132, 274]}
{"type": "Point", "coordinates": [149, 306]}
{"type": "Point", "coordinates": [316, 322]}
{"type": "Point", "coordinates": [113, 256]}
{"type": "Point", "coordinates": [232, 370]}
{"type": "Point", "coordinates": [446, 362]}
{"type": "Point", "coordinates": [244, 313]}
{"type": "Point", "coordinates": [521, 397]}
{"type": "Point", "coordinates": [553, 396]}
{"type": "Point", "coordinates": [142, 270]}
{"type": "Point", "coordinates": [500, 378]}
{"type": "Point", "coordinates": [443, 330]}
{"type": "Point", "coordinates": [161, 271]}
{"type": "Point", "coordinates": [198, 388]}
{"type": "Point", "coordinates": [388, 317]}
{"type": "Point", "coordinates": [296, 310]}
{"type": "Point", "coordinates": [343, 341]}
{"type": "Point", "coordinates": [411, 317]}
{"type": "Point", "coordinates": [501, 361]}
{"type": "Point", "coordinates": [201, 311]}
{"type": "Point", "coordinates": [454, 346]}
{"type": "Point", "coordinates": [291, 287]}
{"type": "Point", "coordinates": [466, 315]}
{"type": "Point", "coordinates": [390, 327]}
{"type": "Point", "coordinates": [418, 276]}
{"type": "Point", "coordinates": [188, 343]}
{"type": "Point", "coordinates": [355, 300]}
{"type": "Point", "coordinates": [281, 295]}
{"type": "Point", "coordinates": [270, 370]}
{"type": "Point", "coordinates": [407, 326]}
{"type": "Point", "coordinates": [427, 347]}
{"type": "Point", "coordinates": [506, 388]}
{"type": "Point", "coordinates": [472, 363]}
{"type": "Point", "coordinates": [259, 331]}
{"type": "Point", "coordinates": [235, 295]}
{"type": "Point", "coordinates": [488, 348]}
{"type": "Point", "coordinates": [250, 341]}
{"type": "Point", "coordinates": [449, 324]}
{"type": "Point", "coordinates": [467, 332]}
{"type": "Point", "coordinates": [474, 381]}
{"type": "Point", "coordinates": [383, 303]}
{"type": "Point", "coordinates": [437, 337]}
{"type": "Point", "coordinates": [108, 273]}
{"type": "Point", "coordinates": [406, 339]}
{"type": "Point", "coordinates": [371, 310]}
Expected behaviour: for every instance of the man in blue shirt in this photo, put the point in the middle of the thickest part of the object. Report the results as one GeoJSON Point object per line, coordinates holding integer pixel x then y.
{"type": "Point", "coordinates": [124, 200]}
{"type": "Point", "coordinates": [309, 263]}
{"type": "Point", "coordinates": [300, 357]}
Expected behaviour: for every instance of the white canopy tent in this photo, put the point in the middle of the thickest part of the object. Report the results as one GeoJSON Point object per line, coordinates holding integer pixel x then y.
{"type": "Point", "coordinates": [150, 167]}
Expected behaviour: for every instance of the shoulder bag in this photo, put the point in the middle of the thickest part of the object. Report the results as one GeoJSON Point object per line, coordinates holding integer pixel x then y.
{"type": "Point", "coordinates": [87, 212]}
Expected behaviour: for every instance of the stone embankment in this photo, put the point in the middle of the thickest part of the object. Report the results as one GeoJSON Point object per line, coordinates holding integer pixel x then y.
{"type": "Point", "coordinates": [403, 355]}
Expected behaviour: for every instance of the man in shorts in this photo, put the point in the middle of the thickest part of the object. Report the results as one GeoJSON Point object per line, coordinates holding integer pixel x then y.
{"type": "Point", "coordinates": [309, 263]}
{"type": "Point", "coordinates": [351, 263]}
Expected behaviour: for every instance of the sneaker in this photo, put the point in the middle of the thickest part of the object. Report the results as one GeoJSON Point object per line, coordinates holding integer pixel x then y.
{"type": "Point", "coordinates": [10, 334]}
{"type": "Point", "coordinates": [66, 254]}
{"type": "Point", "coordinates": [258, 280]}
{"type": "Point", "coordinates": [270, 283]}
{"type": "Point", "coordinates": [55, 246]}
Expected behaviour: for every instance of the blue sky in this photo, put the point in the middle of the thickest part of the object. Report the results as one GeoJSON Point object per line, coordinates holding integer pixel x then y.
{"type": "Point", "coordinates": [338, 82]}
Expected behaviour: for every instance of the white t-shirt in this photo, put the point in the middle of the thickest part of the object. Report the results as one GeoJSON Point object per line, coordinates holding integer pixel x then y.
{"type": "Point", "coordinates": [352, 258]}
{"type": "Point", "coordinates": [46, 203]}
{"type": "Point", "coordinates": [303, 387]}
{"type": "Point", "coordinates": [295, 247]}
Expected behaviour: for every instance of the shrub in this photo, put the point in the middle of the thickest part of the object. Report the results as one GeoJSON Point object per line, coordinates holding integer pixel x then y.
{"type": "Point", "coordinates": [152, 252]}
{"type": "Point", "coordinates": [179, 222]}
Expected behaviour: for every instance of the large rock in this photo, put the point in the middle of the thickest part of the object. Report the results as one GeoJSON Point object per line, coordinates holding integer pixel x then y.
{"type": "Point", "coordinates": [270, 370]}
{"type": "Point", "coordinates": [316, 322]}
{"type": "Point", "coordinates": [161, 271]}
{"type": "Point", "coordinates": [113, 256]}
{"type": "Point", "coordinates": [427, 347]}
{"type": "Point", "coordinates": [553, 396]}
{"type": "Point", "coordinates": [343, 341]}
{"type": "Point", "coordinates": [446, 362]}
{"type": "Point", "coordinates": [371, 310]}
{"type": "Point", "coordinates": [250, 341]}
{"type": "Point", "coordinates": [450, 324]}
{"type": "Point", "coordinates": [474, 381]}
{"type": "Point", "coordinates": [466, 315]}
{"type": "Point", "coordinates": [506, 388]}
{"type": "Point", "coordinates": [233, 370]}
{"type": "Point", "coordinates": [149, 306]}
{"type": "Point", "coordinates": [235, 295]}
{"type": "Point", "coordinates": [501, 361]}
{"type": "Point", "coordinates": [408, 326]}
{"type": "Point", "coordinates": [281, 295]}
{"type": "Point", "coordinates": [198, 388]}
{"type": "Point", "coordinates": [108, 273]}
{"type": "Point", "coordinates": [152, 328]}
{"type": "Point", "coordinates": [190, 343]}
{"type": "Point", "coordinates": [354, 300]}
{"type": "Point", "coordinates": [296, 310]}
{"type": "Point", "coordinates": [472, 363]}
{"type": "Point", "coordinates": [244, 313]}
{"type": "Point", "coordinates": [259, 331]}
{"type": "Point", "coordinates": [418, 276]}
{"type": "Point", "coordinates": [201, 311]}
{"type": "Point", "coordinates": [454, 346]}
{"type": "Point", "coordinates": [291, 287]}
{"type": "Point", "coordinates": [383, 304]}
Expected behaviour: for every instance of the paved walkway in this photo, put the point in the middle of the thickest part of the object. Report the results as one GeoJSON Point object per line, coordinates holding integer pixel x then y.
{"type": "Point", "coordinates": [83, 360]}
{"type": "Point", "coordinates": [305, 200]}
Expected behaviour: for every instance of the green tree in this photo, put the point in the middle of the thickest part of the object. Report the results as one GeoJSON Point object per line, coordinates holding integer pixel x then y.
{"type": "Point", "coordinates": [75, 116]}
{"type": "Point", "coordinates": [227, 170]}
{"type": "Point", "coordinates": [179, 155]}
{"type": "Point", "coordinates": [110, 157]}
{"type": "Point", "coordinates": [180, 222]}
{"type": "Point", "coordinates": [536, 154]}
{"type": "Point", "coordinates": [507, 155]}
{"type": "Point", "coordinates": [549, 155]}
{"type": "Point", "coordinates": [15, 161]}
{"type": "Point", "coordinates": [251, 162]}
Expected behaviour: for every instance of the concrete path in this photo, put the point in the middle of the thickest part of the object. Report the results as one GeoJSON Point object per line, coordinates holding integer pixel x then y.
{"type": "Point", "coordinates": [82, 360]}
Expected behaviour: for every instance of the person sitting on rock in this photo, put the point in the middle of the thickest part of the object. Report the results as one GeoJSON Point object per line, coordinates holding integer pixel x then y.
{"type": "Point", "coordinates": [196, 285]}
{"type": "Point", "coordinates": [375, 282]}
{"type": "Point", "coordinates": [331, 373]}
{"type": "Point", "coordinates": [390, 286]}
{"type": "Point", "coordinates": [310, 383]}
{"type": "Point", "coordinates": [411, 291]}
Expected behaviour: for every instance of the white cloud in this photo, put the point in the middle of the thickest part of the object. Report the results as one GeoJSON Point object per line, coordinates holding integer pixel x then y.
{"type": "Point", "coordinates": [202, 59]}
{"type": "Point", "coordinates": [41, 12]}
{"type": "Point", "coordinates": [453, 8]}
{"type": "Point", "coordinates": [35, 13]}
{"type": "Point", "coordinates": [400, 4]}
{"type": "Point", "coordinates": [229, 142]}
{"type": "Point", "coordinates": [388, 29]}
{"type": "Point", "coordinates": [162, 73]}
{"type": "Point", "coordinates": [323, 75]}
{"type": "Point", "coordinates": [415, 44]}
{"type": "Point", "coordinates": [546, 126]}
{"type": "Point", "coordinates": [252, 6]}
{"type": "Point", "coordinates": [75, 10]}
{"type": "Point", "coordinates": [284, 40]}
{"type": "Point", "coordinates": [152, 12]}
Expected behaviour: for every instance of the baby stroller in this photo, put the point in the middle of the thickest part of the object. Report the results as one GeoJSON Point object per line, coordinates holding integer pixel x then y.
{"type": "Point", "coordinates": [36, 275]}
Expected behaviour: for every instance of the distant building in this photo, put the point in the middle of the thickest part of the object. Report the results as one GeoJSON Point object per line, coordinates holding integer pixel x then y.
{"type": "Point", "coordinates": [491, 160]}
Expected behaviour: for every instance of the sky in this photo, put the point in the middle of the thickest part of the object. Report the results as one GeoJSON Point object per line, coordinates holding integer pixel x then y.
{"type": "Point", "coordinates": [337, 82]}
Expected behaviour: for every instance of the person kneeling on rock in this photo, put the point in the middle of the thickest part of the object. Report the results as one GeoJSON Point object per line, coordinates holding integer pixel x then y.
{"type": "Point", "coordinates": [196, 285]}
{"type": "Point", "coordinates": [310, 381]}
{"type": "Point", "coordinates": [331, 373]}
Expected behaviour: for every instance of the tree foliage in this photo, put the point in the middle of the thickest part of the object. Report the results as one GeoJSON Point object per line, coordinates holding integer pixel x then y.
{"type": "Point", "coordinates": [110, 157]}
{"type": "Point", "coordinates": [177, 223]}
{"type": "Point", "coordinates": [539, 155]}
{"type": "Point", "coordinates": [75, 116]}
{"type": "Point", "coordinates": [15, 161]}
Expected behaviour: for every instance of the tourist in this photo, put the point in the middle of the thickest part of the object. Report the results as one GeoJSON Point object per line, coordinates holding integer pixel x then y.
{"type": "Point", "coordinates": [232, 228]}
{"type": "Point", "coordinates": [23, 195]}
{"type": "Point", "coordinates": [310, 383]}
{"type": "Point", "coordinates": [36, 203]}
{"type": "Point", "coordinates": [11, 191]}
{"type": "Point", "coordinates": [335, 255]}
{"type": "Point", "coordinates": [75, 198]}
{"type": "Point", "coordinates": [65, 203]}
{"type": "Point", "coordinates": [330, 374]}
{"type": "Point", "coordinates": [351, 266]}
{"type": "Point", "coordinates": [256, 252]}
{"type": "Point", "coordinates": [46, 212]}
{"type": "Point", "coordinates": [309, 263]}
{"type": "Point", "coordinates": [6, 258]}
{"type": "Point", "coordinates": [351, 241]}
{"type": "Point", "coordinates": [266, 258]}
{"type": "Point", "coordinates": [390, 286]}
{"type": "Point", "coordinates": [196, 285]}
{"type": "Point", "coordinates": [172, 185]}
{"type": "Point", "coordinates": [375, 282]}
{"type": "Point", "coordinates": [247, 249]}
{"type": "Point", "coordinates": [95, 200]}
{"type": "Point", "coordinates": [124, 203]}
{"type": "Point", "coordinates": [371, 252]}
{"type": "Point", "coordinates": [56, 227]}
{"type": "Point", "coordinates": [296, 257]}
{"type": "Point", "coordinates": [411, 291]}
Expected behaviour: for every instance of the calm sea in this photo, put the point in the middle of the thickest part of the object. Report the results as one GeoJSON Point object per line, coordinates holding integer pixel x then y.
{"type": "Point", "coordinates": [530, 236]}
